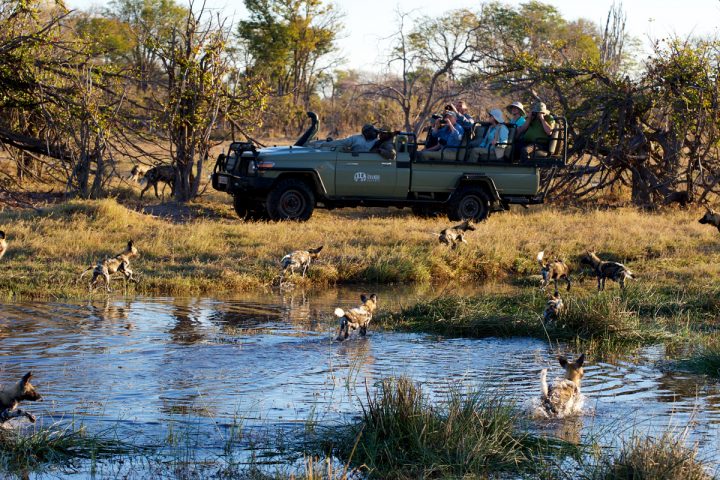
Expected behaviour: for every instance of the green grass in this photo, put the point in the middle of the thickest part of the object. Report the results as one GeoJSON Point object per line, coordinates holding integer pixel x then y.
{"type": "Point", "coordinates": [403, 435]}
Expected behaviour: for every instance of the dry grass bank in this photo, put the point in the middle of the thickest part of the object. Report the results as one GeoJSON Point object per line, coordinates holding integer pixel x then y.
{"type": "Point", "coordinates": [211, 252]}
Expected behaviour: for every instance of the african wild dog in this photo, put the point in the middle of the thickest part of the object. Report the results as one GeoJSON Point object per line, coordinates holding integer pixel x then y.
{"type": "Point", "coordinates": [604, 270]}
{"type": "Point", "coordinates": [138, 172]}
{"type": "Point", "coordinates": [553, 309]}
{"type": "Point", "coordinates": [11, 396]}
{"type": "Point", "coordinates": [452, 236]}
{"type": "Point", "coordinates": [119, 263]}
{"type": "Point", "coordinates": [3, 244]}
{"type": "Point", "coordinates": [159, 173]}
{"type": "Point", "coordinates": [711, 218]}
{"type": "Point", "coordinates": [298, 259]}
{"type": "Point", "coordinates": [553, 270]}
{"type": "Point", "coordinates": [563, 398]}
{"type": "Point", "coordinates": [356, 318]}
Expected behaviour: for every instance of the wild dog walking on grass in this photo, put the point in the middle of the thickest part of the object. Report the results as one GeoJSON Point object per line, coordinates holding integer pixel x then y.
{"type": "Point", "coordinates": [3, 244]}
{"type": "Point", "coordinates": [553, 309]}
{"type": "Point", "coordinates": [612, 270]}
{"type": "Point", "coordinates": [553, 270]}
{"type": "Point", "coordinates": [11, 396]}
{"type": "Point", "coordinates": [563, 398]}
{"type": "Point", "coordinates": [711, 218]}
{"type": "Point", "coordinates": [119, 263]}
{"type": "Point", "coordinates": [159, 173]}
{"type": "Point", "coordinates": [452, 236]}
{"type": "Point", "coordinates": [357, 318]}
{"type": "Point", "coordinates": [298, 259]}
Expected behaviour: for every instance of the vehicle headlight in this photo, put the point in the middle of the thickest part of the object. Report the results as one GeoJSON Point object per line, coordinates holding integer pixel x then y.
{"type": "Point", "coordinates": [252, 167]}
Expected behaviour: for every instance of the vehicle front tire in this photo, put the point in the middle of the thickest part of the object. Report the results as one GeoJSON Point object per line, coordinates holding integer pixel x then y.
{"type": "Point", "coordinates": [469, 203]}
{"type": "Point", "coordinates": [241, 207]}
{"type": "Point", "coordinates": [249, 210]}
{"type": "Point", "coordinates": [291, 199]}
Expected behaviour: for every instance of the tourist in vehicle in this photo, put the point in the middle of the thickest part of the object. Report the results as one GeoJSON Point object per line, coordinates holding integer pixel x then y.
{"type": "Point", "coordinates": [385, 144]}
{"type": "Point", "coordinates": [495, 138]}
{"type": "Point", "coordinates": [535, 133]}
{"type": "Point", "coordinates": [516, 113]}
{"type": "Point", "coordinates": [356, 143]}
{"type": "Point", "coordinates": [464, 119]}
{"type": "Point", "coordinates": [448, 132]}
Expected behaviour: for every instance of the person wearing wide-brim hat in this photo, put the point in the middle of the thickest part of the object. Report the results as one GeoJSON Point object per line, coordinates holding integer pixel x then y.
{"type": "Point", "coordinates": [535, 133]}
{"type": "Point", "coordinates": [495, 139]}
{"type": "Point", "coordinates": [385, 144]}
{"type": "Point", "coordinates": [516, 111]}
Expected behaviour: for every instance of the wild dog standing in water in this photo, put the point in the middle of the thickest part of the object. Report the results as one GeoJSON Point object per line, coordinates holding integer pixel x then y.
{"type": "Point", "coordinates": [563, 398]}
{"type": "Point", "coordinates": [119, 263]}
{"type": "Point", "coordinates": [3, 244]}
{"type": "Point", "coordinates": [553, 270]}
{"type": "Point", "coordinates": [357, 318]}
{"type": "Point", "coordinates": [454, 235]}
{"type": "Point", "coordinates": [159, 173]}
{"type": "Point", "coordinates": [553, 309]}
{"type": "Point", "coordinates": [711, 218]}
{"type": "Point", "coordinates": [298, 259]}
{"type": "Point", "coordinates": [612, 270]}
{"type": "Point", "coordinates": [11, 396]}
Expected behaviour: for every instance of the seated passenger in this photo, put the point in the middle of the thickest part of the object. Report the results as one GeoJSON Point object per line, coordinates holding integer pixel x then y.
{"type": "Point", "coordinates": [497, 133]}
{"type": "Point", "coordinates": [357, 143]}
{"type": "Point", "coordinates": [517, 114]}
{"type": "Point", "coordinates": [535, 133]}
{"type": "Point", "coordinates": [465, 120]}
{"type": "Point", "coordinates": [385, 144]}
{"type": "Point", "coordinates": [449, 134]}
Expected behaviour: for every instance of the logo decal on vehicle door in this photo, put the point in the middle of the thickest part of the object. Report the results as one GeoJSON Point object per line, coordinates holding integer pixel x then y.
{"type": "Point", "coordinates": [364, 177]}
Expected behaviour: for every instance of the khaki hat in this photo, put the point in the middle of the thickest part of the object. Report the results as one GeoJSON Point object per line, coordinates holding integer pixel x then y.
{"type": "Point", "coordinates": [497, 114]}
{"type": "Point", "coordinates": [539, 107]}
{"type": "Point", "coordinates": [517, 105]}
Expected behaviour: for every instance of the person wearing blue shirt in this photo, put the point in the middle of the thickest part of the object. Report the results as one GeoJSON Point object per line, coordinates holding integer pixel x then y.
{"type": "Point", "coordinates": [464, 119]}
{"type": "Point", "coordinates": [517, 114]}
{"type": "Point", "coordinates": [492, 145]}
{"type": "Point", "coordinates": [448, 132]}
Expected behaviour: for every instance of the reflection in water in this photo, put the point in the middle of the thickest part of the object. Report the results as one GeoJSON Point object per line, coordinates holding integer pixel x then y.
{"type": "Point", "coordinates": [273, 360]}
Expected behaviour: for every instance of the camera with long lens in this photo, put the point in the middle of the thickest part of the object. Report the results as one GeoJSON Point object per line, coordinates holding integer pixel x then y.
{"type": "Point", "coordinates": [436, 116]}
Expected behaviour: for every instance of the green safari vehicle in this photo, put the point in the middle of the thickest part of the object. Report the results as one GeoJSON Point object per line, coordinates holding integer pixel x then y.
{"type": "Point", "coordinates": [288, 183]}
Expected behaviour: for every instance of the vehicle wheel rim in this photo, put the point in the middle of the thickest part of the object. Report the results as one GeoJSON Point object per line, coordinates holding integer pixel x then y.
{"type": "Point", "coordinates": [292, 204]}
{"type": "Point", "coordinates": [470, 207]}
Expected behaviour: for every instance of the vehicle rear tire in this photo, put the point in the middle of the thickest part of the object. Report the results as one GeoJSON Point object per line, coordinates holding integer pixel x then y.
{"type": "Point", "coordinates": [469, 203]}
{"type": "Point", "coordinates": [291, 199]}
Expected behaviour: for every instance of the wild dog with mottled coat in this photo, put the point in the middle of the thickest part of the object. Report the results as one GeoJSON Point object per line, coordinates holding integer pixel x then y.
{"type": "Point", "coordinates": [613, 270]}
{"type": "Point", "coordinates": [553, 270]}
{"type": "Point", "coordinates": [298, 259]}
{"type": "Point", "coordinates": [12, 395]}
{"type": "Point", "coordinates": [711, 218]}
{"type": "Point", "coordinates": [3, 244]}
{"type": "Point", "coordinates": [563, 398]}
{"type": "Point", "coordinates": [553, 309]}
{"type": "Point", "coordinates": [356, 318]}
{"type": "Point", "coordinates": [119, 263]}
{"type": "Point", "coordinates": [138, 172]}
{"type": "Point", "coordinates": [159, 173]}
{"type": "Point", "coordinates": [453, 236]}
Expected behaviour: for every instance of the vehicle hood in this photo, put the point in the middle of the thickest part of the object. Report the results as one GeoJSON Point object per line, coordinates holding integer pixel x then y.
{"type": "Point", "coordinates": [278, 152]}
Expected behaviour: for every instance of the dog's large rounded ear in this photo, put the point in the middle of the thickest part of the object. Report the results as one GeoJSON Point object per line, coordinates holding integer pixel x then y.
{"type": "Point", "coordinates": [25, 378]}
{"type": "Point", "coordinates": [563, 361]}
{"type": "Point", "coordinates": [373, 297]}
{"type": "Point", "coordinates": [2, 235]}
{"type": "Point", "coordinates": [581, 359]}
{"type": "Point", "coordinates": [130, 244]}
{"type": "Point", "coordinates": [363, 298]}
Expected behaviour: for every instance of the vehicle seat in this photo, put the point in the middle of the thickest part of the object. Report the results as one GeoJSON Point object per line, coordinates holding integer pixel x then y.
{"type": "Point", "coordinates": [401, 143]}
{"type": "Point", "coordinates": [552, 148]}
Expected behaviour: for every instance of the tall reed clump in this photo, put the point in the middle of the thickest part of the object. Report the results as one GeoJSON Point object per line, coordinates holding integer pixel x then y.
{"type": "Point", "coordinates": [51, 447]}
{"type": "Point", "coordinates": [403, 435]}
{"type": "Point", "coordinates": [706, 360]}
{"type": "Point", "coordinates": [666, 457]}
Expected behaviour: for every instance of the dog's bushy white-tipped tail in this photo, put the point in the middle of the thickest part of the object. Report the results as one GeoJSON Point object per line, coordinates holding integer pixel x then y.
{"type": "Point", "coordinates": [339, 312]}
{"type": "Point", "coordinates": [543, 382]}
{"type": "Point", "coordinates": [87, 270]}
{"type": "Point", "coordinates": [540, 256]}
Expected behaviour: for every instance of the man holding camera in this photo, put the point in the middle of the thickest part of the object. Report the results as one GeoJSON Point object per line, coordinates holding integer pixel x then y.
{"type": "Point", "coordinates": [464, 119]}
{"type": "Point", "coordinates": [448, 133]}
{"type": "Point", "coordinates": [535, 133]}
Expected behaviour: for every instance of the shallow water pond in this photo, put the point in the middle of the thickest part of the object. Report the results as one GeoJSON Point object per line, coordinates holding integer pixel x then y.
{"type": "Point", "coordinates": [157, 366]}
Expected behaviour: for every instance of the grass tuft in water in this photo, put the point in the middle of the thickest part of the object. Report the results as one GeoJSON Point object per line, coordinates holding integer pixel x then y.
{"type": "Point", "coordinates": [403, 435]}
{"type": "Point", "coordinates": [666, 457]}
{"type": "Point", "coordinates": [22, 451]}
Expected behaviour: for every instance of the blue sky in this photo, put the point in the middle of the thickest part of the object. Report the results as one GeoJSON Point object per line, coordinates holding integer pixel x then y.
{"type": "Point", "coordinates": [368, 22]}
